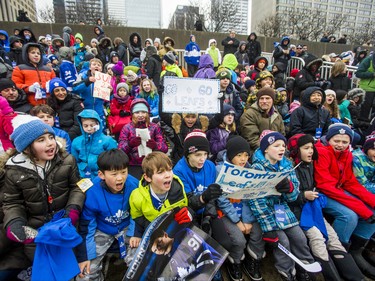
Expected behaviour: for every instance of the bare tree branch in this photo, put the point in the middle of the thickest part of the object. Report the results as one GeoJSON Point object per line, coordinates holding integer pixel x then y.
{"type": "Point", "coordinates": [46, 15]}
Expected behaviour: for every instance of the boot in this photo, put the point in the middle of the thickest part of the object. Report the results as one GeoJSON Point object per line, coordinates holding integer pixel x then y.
{"type": "Point", "coordinates": [303, 275]}
{"type": "Point", "coordinates": [251, 266]}
{"type": "Point", "coordinates": [234, 271]}
{"type": "Point", "coordinates": [346, 265]}
{"type": "Point", "coordinates": [286, 277]}
{"type": "Point", "coordinates": [369, 251]}
{"type": "Point", "coordinates": [356, 250]}
{"type": "Point", "coordinates": [218, 276]}
{"type": "Point", "coordinates": [329, 270]}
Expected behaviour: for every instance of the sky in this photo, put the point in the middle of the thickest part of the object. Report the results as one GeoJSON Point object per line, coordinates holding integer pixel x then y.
{"type": "Point", "coordinates": [168, 6]}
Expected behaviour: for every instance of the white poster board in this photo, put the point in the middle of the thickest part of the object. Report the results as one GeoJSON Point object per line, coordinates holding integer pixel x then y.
{"type": "Point", "coordinates": [243, 183]}
{"type": "Point", "coordinates": [191, 95]}
{"type": "Point", "coordinates": [102, 86]}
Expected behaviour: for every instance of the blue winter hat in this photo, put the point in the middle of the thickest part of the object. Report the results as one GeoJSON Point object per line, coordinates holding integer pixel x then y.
{"type": "Point", "coordinates": [54, 83]}
{"type": "Point", "coordinates": [27, 129]}
{"type": "Point", "coordinates": [339, 129]}
{"type": "Point", "coordinates": [268, 137]}
{"type": "Point", "coordinates": [52, 58]}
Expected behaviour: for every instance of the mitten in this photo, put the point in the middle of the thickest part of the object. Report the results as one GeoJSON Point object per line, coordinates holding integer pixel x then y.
{"type": "Point", "coordinates": [122, 113]}
{"type": "Point", "coordinates": [72, 211]}
{"type": "Point", "coordinates": [284, 186]}
{"type": "Point", "coordinates": [135, 142]}
{"type": "Point", "coordinates": [151, 144]}
{"type": "Point", "coordinates": [33, 87]}
{"type": "Point", "coordinates": [319, 84]}
{"type": "Point", "coordinates": [183, 216]}
{"type": "Point", "coordinates": [4, 106]}
{"type": "Point", "coordinates": [16, 232]}
{"type": "Point", "coordinates": [212, 192]}
{"type": "Point", "coordinates": [271, 238]}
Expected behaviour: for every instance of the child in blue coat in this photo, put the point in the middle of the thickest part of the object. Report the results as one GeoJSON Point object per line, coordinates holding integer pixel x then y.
{"type": "Point", "coordinates": [87, 147]}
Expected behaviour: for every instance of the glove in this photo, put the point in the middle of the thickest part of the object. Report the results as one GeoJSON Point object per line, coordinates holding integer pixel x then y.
{"type": "Point", "coordinates": [72, 212]}
{"type": "Point", "coordinates": [183, 216]}
{"type": "Point", "coordinates": [284, 186]}
{"type": "Point", "coordinates": [271, 238]}
{"type": "Point", "coordinates": [16, 232]}
{"type": "Point", "coordinates": [124, 113]}
{"type": "Point", "coordinates": [33, 87]}
{"type": "Point", "coordinates": [371, 219]}
{"type": "Point", "coordinates": [151, 144]}
{"type": "Point", "coordinates": [135, 142]}
{"type": "Point", "coordinates": [212, 192]}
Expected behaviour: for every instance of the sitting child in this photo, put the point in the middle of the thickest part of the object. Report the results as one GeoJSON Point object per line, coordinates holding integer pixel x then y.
{"type": "Point", "coordinates": [105, 216]}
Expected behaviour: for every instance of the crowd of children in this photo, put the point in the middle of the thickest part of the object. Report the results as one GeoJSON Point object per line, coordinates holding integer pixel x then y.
{"type": "Point", "coordinates": [113, 166]}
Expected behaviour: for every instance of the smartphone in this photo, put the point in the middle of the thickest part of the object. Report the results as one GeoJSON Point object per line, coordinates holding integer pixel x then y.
{"type": "Point", "coordinates": [346, 121]}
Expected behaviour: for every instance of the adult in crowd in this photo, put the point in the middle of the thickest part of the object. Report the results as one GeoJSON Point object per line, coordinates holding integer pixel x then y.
{"type": "Point", "coordinates": [261, 116]}
{"type": "Point", "coordinates": [67, 107]}
{"type": "Point", "coordinates": [135, 46]}
{"type": "Point", "coordinates": [192, 55]}
{"type": "Point", "coordinates": [253, 47]}
{"type": "Point", "coordinates": [281, 51]}
{"type": "Point", "coordinates": [231, 43]}
{"type": "Point", "coordinates": [366, 73]}
{"type": "Point", "coordinates": [16, 97]}
{"type": "Point", "coordinates": [120, 47]}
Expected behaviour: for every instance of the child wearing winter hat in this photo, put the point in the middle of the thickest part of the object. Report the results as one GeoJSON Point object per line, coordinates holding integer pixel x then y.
{"type": "Point", "coordinates": [87, 147]}
{"type": "Point", "coordinates": [68, 71]}
{"type": "Point", "coordinates": [364, 163]}
{"type": "Point", "coordinates": [38, 174]}
{"type": "Point", "coordinates": [118, 75]}
{"type": "Point", "coordinates": [351, 201]}
{"type": "Point", "coordinates": [238, 218]}
{"type": "Point", "coordinates": [214, 53]}
{"type": "Point", "coordinates": [281, 101]}
{"type": "Point", "coordinates": [171, 68]}
{"type": "Point", "coordinates": [323, 241]}
{"type": "Point", "coordinates": [260, 64]}
{"type": "Point", "coordinates": [228, 93]}
{"type": "Point", "coordinates": [282, 228]}
{"type": "Point", "coordinates": [120, 109]}
{"type": "Point", "coordinates": [129, 139]}
{"type": "Point", "coordinates": [133, 81]}
{"type": "Point", "coordinates": [198, 175]}
{"type": "Point", "coordinates": [7, 114]}
{"type": "Point", "coordinates": [218, 135]}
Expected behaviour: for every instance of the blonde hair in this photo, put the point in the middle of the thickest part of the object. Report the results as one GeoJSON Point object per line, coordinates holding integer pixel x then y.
{"type": "Point", "coordinates": [338, 68]}
{"type": "Point", "coordinates": [96, 60]}
{"type": "Point", "coordinates": [154, 162]}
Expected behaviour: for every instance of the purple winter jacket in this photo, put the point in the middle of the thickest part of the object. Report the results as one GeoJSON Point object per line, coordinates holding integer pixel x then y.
{"type": "Point", "coordinates": [205, 68]}
{"type": "Point", "coordinates": [128, 133]}
{"type": "Point", "coordinates": [218, 139]}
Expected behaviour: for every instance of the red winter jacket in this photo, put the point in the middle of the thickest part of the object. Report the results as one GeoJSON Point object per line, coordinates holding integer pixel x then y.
{"type": "Point", "coordinates": [333, 183]}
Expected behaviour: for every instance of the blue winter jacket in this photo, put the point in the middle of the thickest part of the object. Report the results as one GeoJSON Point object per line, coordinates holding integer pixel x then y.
{"type": "Point", "coordinates": [264, 208]}
{"type": "Point", "coordinates": [64, 135]}
{"type": "Point", "coordinates": [192, 53]}
{"type": "Point", "coordinates": [5, 43]}
{"type": "Point", "coordinates": [86, 89]}
{"type": "Point", "coordinates": [87, 147]}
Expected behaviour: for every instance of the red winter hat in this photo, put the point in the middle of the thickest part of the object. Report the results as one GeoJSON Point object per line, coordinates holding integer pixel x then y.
{"type": "Point", "coordinates": [298, 140]}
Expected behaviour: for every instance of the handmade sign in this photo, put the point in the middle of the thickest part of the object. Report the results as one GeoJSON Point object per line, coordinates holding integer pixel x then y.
{"type": "Point", "coordinates": [191, 95]}
{"type": "Point", "coordinates": [102, 86]}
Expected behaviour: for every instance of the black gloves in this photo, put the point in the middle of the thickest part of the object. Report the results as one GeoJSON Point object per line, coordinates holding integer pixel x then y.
{"type": "Point", "coordinates": [371, 219]}
{"type": "Point", "coordinates": [124, 113]}
{"type": "Point", "coordinates": [284, 186]}
{"type": "Point", "coordinates": [271, 238]}
{"type": "Point", "coordinates": [212, 192]}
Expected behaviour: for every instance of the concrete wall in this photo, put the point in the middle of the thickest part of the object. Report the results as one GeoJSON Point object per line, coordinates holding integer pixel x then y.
{"type": "Point", "coordinates": [181, 37]}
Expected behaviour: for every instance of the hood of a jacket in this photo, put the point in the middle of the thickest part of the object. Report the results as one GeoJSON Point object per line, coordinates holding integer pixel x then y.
{"type": "Point", "coordinates": [305, 99]}
{"type": "Point", "coordinates": [89, 113]}
{"type": "Point", "coordinates": [100, 29]}
{"type": "Point", "coordinates": [311, 60]}
{"type": "Point", "coordinates": [139, 43]}
{"type": "Point", "coordinates": [105, 41]}
{"type": "Point", "coordinates": [6, 41]}
{"type": "Point", "coordinates": [67, 29]}
{"type": "Point", "coordinates": [211, 41]}
{"type": "Point", "coordinates": [206, 61]}
{"type": "Point", "coordinates": [257, 59]}
{"type": "Point", "coordinates": [284, 38]}
{"type": "Point", "coordinates": [79, 36]}
{"type": "Point", "coordinates": [230, 62]}
{"type": "Point", "coordinates": [255, 35]}
{"type": "Point", "coordinates": [25, 55]}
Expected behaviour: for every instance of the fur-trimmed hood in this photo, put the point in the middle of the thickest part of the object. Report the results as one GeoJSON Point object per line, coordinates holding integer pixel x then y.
{"type": "Point", "coordinates": [357, 92]}
{"type": "Point", "coordinates": [202, 122]}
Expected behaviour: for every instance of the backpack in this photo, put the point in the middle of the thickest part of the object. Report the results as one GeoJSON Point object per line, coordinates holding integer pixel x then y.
{"type": "Point", "coordinates": [72, 40]}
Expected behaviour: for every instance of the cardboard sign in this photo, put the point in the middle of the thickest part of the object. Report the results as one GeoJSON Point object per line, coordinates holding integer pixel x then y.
{"type": "Point", "coordinates": [243, 183]}
{"type": "Point", "coordinates": [191, 95]}
{"type": "Point", "coordinates": [102, 86]}
{"type": "Point", "coordinates": [172, 251]}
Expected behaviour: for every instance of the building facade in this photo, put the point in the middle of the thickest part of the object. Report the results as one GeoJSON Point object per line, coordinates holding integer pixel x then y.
{"type": "Point", "coordinates": [357, 12]}
{"type": "Point", "coordinates": [9, 9]}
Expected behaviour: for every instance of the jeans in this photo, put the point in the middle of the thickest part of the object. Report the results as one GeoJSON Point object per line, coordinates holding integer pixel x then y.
{"type": "Point", "coordinates": [346, 222]}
